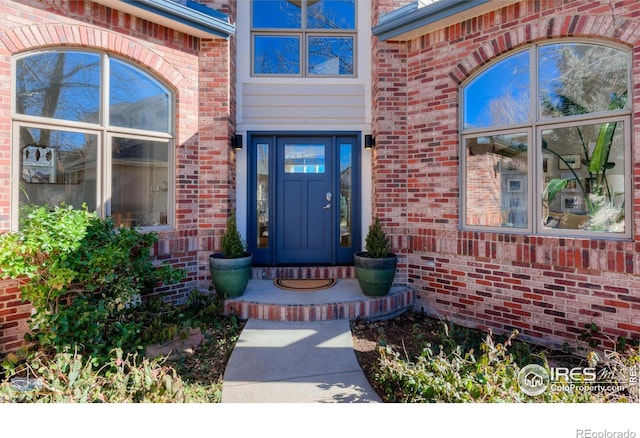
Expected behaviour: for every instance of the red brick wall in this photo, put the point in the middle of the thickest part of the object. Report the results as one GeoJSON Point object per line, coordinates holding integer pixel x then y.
{"type": "Point", "coordinates": [199, 73]}
{"type": "Point", "coordinates": [547, 287]}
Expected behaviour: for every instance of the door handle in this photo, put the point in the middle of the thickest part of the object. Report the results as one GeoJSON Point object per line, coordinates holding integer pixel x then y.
{"type": "Point", "coordinates": [326, 207]}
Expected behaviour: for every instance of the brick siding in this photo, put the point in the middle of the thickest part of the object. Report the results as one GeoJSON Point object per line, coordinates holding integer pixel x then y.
{"type": "Point", "coordinates": [546, 287]}
{"type": "Point", "coordinates": [200, 72]}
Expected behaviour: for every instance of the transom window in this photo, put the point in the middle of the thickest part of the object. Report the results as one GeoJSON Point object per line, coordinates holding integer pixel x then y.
{"type": "Point", "coordinates": [546, 135]}
{"type": "Point", "coordinates": [303, 37]}
{"type": "Point", "coordinates": [92, 129]}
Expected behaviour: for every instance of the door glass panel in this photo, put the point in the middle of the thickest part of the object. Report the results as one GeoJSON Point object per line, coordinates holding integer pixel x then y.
{"type": "Point", "coordinates": [307, 158]}
{"type": "Point", "coordinates": [262, 197]}
{"type": "Point", "coordinates": [140, 173]}
{"type": "Point", "coordinates": [346, 195]}
{"type": "Point", "coordinates": [58, 167]}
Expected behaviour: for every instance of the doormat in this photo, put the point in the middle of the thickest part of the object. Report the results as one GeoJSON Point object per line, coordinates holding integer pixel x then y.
{"type": "Point", "coordinates": [304, 285]}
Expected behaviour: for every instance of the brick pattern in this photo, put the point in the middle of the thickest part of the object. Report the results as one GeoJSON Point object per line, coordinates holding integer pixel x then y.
{"type": "Point", "coordinates": [547, 287]}
{"type": "Point", "coordinates": [366, 308]}
{"type": "Point", "coordinates": [271, 273]}
{"type": "Point", "coordinates": [200, 72]}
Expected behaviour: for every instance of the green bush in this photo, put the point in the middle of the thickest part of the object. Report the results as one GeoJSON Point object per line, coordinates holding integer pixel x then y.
{"type": "Point", "coordinates": [377, 243]}
{"type": "Point", "coordinates": [69, 378]}
{"type": "Point", "coordinates": [454, 375]}
{"type": "Point", "coordinates": [84, 279]}
{"type": "Point", "coordinates": [232, 245]}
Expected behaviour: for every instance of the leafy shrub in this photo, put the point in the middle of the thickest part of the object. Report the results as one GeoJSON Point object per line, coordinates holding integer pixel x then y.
{"type": "Point", "coordinates": [84, 278]}
{"type": "Point", "coordinates": [69, 378]}
{"type": "Point", "coordinates": [377, 243]}
{"type": "Point", "coordinates": [455, 375]}
{"type": "Point", "coordinates": [232, 245]}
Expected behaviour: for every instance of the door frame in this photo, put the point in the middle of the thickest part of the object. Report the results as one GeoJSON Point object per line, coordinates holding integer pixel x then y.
{"type": "Point", "coordinates": [267, 256]}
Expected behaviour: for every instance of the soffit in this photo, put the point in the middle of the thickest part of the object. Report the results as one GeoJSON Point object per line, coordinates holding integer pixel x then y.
{"type": "Point", "coordinates": [437, 15]}
{"type": "Point", "coordinates": [185, 16]}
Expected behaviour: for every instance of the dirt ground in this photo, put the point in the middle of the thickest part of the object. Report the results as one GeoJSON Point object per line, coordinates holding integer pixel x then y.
{"type": "Point", "coordinates": [406, 333]}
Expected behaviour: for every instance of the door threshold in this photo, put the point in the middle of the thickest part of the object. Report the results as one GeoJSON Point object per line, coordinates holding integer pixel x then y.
{"type": "Point", "coordinates": [300, 271]}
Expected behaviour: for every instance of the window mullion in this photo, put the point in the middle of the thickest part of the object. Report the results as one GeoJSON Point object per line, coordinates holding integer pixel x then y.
{"type": "Point", "coordinates": [104, 165]}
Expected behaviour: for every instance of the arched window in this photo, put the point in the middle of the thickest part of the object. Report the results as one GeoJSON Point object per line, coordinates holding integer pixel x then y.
{"type": "Point", "coordinates": [545, 141]}
{"type": "Point", "coordinates": [93, 129]}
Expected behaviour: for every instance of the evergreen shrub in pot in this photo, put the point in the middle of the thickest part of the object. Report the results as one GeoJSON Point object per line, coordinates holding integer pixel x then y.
{"type": "Point", "coordinates": [231, 267]}
{"type": "Point", "coordinates": [376, 265]}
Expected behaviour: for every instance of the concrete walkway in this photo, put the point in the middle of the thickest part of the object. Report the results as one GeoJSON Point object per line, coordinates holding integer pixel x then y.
{"type": "Point", "coordinates": [295, 362]}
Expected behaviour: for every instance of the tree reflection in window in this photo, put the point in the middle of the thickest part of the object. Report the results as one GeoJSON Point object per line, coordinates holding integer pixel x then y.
{"type": "Point", "coordinates": [580, 127]}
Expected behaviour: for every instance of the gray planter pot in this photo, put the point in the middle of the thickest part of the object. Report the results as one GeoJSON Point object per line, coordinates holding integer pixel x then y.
{"type": "Point", "coordinates": [230, 276]}
{"type": "Point", "coordinates": [375, 275]}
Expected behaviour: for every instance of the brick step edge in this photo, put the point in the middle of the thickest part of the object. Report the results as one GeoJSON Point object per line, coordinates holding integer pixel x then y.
{"type": "Point", "coordinates": [364, 309]}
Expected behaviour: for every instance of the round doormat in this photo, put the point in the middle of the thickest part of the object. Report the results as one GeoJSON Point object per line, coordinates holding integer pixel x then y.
{"type": "Point", "coordinates": [304, 284]}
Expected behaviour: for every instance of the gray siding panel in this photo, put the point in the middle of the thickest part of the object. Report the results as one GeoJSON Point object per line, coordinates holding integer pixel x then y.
{"type": "Point", "coordinates": [303, 104]}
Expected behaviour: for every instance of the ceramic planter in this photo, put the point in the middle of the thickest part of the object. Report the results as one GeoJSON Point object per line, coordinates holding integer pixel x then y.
{"type": "Point", "coordinates": [375, 275]}
{"type": "Point", "coordinates": [230, 276]}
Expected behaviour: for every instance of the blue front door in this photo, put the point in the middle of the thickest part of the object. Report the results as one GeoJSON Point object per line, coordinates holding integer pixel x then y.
{"type": "Point", "coordinates": [303, 199]}
{"type": "Point", "coordinates": [305, 203]}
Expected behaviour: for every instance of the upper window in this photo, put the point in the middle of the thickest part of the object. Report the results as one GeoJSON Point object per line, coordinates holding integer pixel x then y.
{"type": "Point", "coordinates": [546, 136]}
{"type": "Point", "coordinates": [303, 37]}
{"type": "Point", "coordinates": [94, 130]}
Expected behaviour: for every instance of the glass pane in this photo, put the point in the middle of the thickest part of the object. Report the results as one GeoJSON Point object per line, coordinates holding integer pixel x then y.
{"type": "Point", "coordinates": [500, 95]}
{"type": "Point", "coordinates": [136, 100]}
{"type": "Point", "coordinates": [496, 181]}
{"type": "Point", "coordinates": [308, 158]}
{"type": "Point", "coordinates": [58, 167]}
{"type": "Point", "coordinates": [331, 14]}
{"type": "Point", "coordinates": [140, 175]}
{"type": "Point", "coordinates": [346, 196]}
{"type": "Point", "coordinates": [582, 78]}
{"type": "Point", "coordinates": [584, 180]}
{"type": "Point", "coordinates": [276, 14]}
{"type": "Point", "coordinates": [59, 85]}
{"type": "Point", "coordinates": [330, 56]}
{"type": "Point", "coordinates": [276, 55]}
{"type": "Point", "coordinates": [262, 196]}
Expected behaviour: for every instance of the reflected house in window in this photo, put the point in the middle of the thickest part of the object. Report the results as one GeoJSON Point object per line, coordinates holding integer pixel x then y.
{"type": "Point", "coordinates": [496, 170]}
{"type": "Point", "coordinates": [590, 155]}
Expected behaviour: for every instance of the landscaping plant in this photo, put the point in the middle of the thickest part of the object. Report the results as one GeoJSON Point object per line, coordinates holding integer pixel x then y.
{"type": "Point", "coordinates": [232, 245]}
{"type": "Point", "coordinates": [377, 243]}
{"type": "Point", "coordinates": [84, 279]}
{"type": "Point", "coordinates": [451, 373]}
{"type": "Point", "coordinates": [68, 378]}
